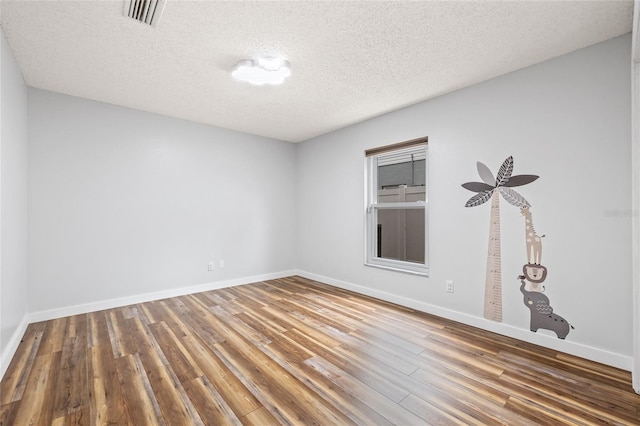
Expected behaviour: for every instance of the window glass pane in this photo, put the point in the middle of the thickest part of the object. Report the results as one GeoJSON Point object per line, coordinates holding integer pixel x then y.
{"type": "Point", "coordinates": [401, 177]}
{"type": "Point", "coordinates": [401, 234]}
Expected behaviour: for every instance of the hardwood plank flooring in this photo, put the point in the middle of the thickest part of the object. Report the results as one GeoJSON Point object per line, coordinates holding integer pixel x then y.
{"type": "Point", "coordinates": [294, 351]}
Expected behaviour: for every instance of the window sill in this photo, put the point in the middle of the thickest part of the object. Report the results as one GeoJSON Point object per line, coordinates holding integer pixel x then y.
{"type": "Point", "coordinates": [422, 271]}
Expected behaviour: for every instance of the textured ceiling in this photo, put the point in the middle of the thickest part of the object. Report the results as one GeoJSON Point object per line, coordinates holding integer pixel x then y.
{"type": "Point", "coordinates": [350, 60]}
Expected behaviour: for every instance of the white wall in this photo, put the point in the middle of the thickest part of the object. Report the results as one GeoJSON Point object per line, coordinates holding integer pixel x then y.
{"type": "Point", "coordinates": [125, 203]}
{"type": "Point", "coordinates": [567, 120]}
{"type": "Point", "coordinates": [13, 203]}
{"type": "Point", "coordinates": [636, 221]}
{"type": "Point", "coordinates": [635, 186]}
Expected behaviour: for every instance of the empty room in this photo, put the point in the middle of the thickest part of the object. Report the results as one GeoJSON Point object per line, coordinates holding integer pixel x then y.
{"type": "Point", "coordinates": [319, 212]}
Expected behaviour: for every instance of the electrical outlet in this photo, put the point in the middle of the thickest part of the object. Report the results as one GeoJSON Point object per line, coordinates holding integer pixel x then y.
{"type": "Point", "coordinates": [221, 264]}
{"type": "Point", "coordinates": [449, 286]}
{"type": "Point", "coordinates": [211, 266]}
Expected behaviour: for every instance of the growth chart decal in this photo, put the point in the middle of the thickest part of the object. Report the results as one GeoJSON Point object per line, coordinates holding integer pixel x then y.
{"type": "Point", "coordinates": [487, 190]}
{"type": "Point", "coordinates": [534, 273]}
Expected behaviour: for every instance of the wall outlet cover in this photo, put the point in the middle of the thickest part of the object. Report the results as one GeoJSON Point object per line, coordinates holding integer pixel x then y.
{"type": "Point", "coordinates": [449, 286]}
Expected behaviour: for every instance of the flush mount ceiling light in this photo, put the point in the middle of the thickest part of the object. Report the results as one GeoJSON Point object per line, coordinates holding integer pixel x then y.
{"type": "Point", "coordinates": [261, 71]}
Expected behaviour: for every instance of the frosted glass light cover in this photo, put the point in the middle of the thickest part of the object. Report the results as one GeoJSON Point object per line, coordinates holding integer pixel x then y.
{"type": "Point", "coordinates": [263, 71]}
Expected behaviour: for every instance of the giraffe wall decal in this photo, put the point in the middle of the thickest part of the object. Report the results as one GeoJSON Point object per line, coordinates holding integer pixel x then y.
{"type": "Point", "coordinates": [487, 190]}
{"type": "Point", "coordinates": [534, 242]}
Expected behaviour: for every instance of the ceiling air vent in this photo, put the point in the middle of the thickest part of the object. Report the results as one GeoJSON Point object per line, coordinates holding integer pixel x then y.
{"type": "Point", "coordinates": [145, 11]}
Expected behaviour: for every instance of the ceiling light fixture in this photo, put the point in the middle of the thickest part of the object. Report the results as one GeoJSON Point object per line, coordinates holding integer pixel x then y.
{"type": "Point", "coordinates": [261, 71]}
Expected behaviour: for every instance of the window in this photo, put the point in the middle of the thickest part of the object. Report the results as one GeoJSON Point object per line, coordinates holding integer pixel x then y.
{"type": "Point", "coordinates": [396, 207]}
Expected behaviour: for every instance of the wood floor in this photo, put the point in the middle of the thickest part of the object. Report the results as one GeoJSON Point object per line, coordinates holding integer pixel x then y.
{"type": "Point", "coordinates": [294, 351]}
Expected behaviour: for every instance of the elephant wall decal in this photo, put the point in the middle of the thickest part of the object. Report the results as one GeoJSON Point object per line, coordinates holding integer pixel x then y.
{"type": "Point", "coordinates": [542, 315]}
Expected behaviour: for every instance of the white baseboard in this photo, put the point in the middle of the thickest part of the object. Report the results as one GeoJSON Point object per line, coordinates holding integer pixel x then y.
{"type": "Point", "coordinates": [12, 346]}
{"type": "Point", "coordinates": [10, 350]}
{"type": "Point", "coordinates": [577, 349]}
{"type": "Point", "coordinates": [148, 297]}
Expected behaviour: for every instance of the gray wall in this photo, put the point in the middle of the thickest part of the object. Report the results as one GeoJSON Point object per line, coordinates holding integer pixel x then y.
{"type": "Point", "coordinates": [123, 202]}
{"type": "Point", "coordinates": [566, 120]}
{"type": "Point", "coordinates": [13, 199]}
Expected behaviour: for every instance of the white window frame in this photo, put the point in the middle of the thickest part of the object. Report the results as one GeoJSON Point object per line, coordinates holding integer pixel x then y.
{"type": "Point", "coordinates": [372, 206]}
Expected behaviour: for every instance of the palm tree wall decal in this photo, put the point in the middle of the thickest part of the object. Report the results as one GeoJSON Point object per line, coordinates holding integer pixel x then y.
{"type": "Point", "coordinates": [489, 188]}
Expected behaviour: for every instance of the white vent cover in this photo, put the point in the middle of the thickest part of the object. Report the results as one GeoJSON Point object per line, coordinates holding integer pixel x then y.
{"type": "Point", "coordinates": [145, 11]}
